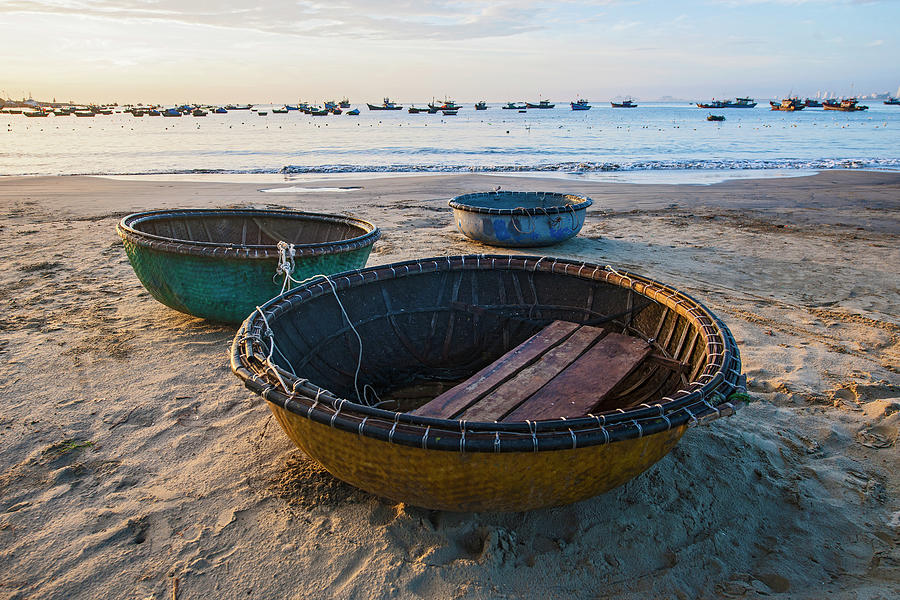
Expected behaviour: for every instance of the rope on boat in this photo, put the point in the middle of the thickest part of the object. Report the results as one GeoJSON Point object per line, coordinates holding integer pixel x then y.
{"type": "Point", "coordinates": [574, 216]}
{"type": "Point", "coordinates": [515, 222]}
{"type": "Point", "coordinates": [272, 347]}
{"type": "Point", "coordinates": [286, 265]}
{"type": "Point", "coordinates": [360, 397]}
{"type": "Point", "coordinates": [286, 254]}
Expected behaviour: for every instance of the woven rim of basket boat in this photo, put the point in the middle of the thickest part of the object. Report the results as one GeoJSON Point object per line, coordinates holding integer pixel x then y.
{"type": "Point", "coordinates": [716, 392]}
{"type": "Point", "coordinates": [579, 203]}
{"type": "Point", "coordinates": [126, 230]}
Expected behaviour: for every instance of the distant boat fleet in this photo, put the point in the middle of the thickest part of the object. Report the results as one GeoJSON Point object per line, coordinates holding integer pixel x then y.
{"type": "Point", "coordinates": [794, 104]}
{"type": "Point", "coordinates": [446, 107]}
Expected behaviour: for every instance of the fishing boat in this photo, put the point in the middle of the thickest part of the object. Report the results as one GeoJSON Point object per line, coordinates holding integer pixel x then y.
{"type": "Point", "coordinates": [153, 112]}
{"type": "Point", "coordinates": [447, 104]}
{"type": "Point", "coordinates": [449, 111]}
{"type": "Point", "coordinates": [739, 103]}
{"type": "Point", "coordinates": [715, 117]}
{"type": "Point", "coordinates": [628, 103]}
{"type": "Point", "coordinates": [171, 112]}
{"type": "Point", "coordinates": [812, 103]}
{"type": "Point", "coordinates": [385, 105]}
{"type": "Point", "coordinates": [892, 101]}
{"type": "Point", "coordinates": [35, 113]}
{"type": "Point", "coordinates": [788, 105]}
{"type": "Point", "coordinates": [280, 111]}
{"type": "Point", "coordinates": [220, 264]}
{"type": "Point", "coordinates": [316, 111]}
{"type": "Point", "coordinates": [220, 111]}
{"type": "Point", "coordinates": [199, 112]}
{"type": "Point", "coordinates": [87, 113]}
{"type": "Point", "coordinates": [482, 105]}
{"type": "Point", "coordinates": [262, 113]}
{"type": "Point", "coordinates": [353, 112]}
{"type": "Point", "coordinates": [514, 106]}
{"type": "Point", "coordinates": [344, 103]}
{"type": "Point", "coordinates": [846, 105]}
{"type": "Point", "coordinates": [580, 104]}
{"type": "Point", "coordinates": [414, 111]}
{"type": "Point", "coordinates": [541, 104]}
{"type": "Point", "coordinates": [488, 382]}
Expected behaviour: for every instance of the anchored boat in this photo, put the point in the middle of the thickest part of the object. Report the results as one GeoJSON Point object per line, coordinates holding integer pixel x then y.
{"type": "Point", "coordinates": [846, 105]}
{"type": "Point", "coordinates": [519, 219]}
{"type": "Point", "coordinates": [386, 105]}
{"type": "Point", "coordinates": [221, 264]}
{"type": "Point", "coordinates": [488, 383]}
{"type": "Point", "coordinates": [788, 105]}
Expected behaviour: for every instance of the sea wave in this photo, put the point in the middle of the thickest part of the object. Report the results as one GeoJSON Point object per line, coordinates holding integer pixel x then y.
{"type": "Point", "coordinates": [593, 167]}
{"type": "Point", "coordinates": [569, 168]}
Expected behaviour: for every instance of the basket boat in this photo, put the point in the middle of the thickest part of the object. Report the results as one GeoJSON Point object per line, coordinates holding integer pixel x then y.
{"type": "Point", "coordinates": [221, 264]}
{"type": "Point", "coordinates": [519, 219]}
{"type": "Point", "coordinates": [442, 319]}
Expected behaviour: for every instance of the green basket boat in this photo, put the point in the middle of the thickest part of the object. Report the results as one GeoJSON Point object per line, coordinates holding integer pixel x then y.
{"type": "Point", "coordinates": [221, 264]}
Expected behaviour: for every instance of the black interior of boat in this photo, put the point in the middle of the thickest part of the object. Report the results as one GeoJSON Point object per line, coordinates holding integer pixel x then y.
{"type": "Point", "coordinates": [244, 230]}
{"type": "Point", "coordinates": [423, 334]}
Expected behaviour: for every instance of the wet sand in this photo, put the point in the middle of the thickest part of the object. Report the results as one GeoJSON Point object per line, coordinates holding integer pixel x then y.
{"type": "Point", "coordinates": [133, 461]}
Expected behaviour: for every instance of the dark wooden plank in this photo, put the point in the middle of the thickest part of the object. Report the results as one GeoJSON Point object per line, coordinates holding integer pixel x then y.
{"type": "Point", "coordinates": [456, 400]}
{"type": "Point", "coordinates": [585, 383]}
{"type": "Point", "coordinates": [532, 378]}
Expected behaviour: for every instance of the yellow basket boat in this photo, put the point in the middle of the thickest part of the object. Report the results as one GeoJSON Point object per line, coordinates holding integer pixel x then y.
{"type": "Point", "coordinates": [350, 365]}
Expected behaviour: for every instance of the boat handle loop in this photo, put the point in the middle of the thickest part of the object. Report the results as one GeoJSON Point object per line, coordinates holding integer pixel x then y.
{"type": "Point", "coordinates": [574, 216]}
{"type": "Point", "coordinates": [515, 222]}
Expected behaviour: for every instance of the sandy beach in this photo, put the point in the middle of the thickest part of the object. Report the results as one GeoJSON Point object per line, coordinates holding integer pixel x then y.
{"type": "Point", "coordinates": [134, 465]}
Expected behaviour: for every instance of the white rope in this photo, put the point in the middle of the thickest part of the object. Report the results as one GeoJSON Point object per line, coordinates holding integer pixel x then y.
{"type": "Point", "coordinates": [360, 397]}
{"type": "Point", "coordinates": [286, 254]}
{"type": "Point", "coordinates": [268, 361]}
{"type": "Point", "coordinates": [285, 268]}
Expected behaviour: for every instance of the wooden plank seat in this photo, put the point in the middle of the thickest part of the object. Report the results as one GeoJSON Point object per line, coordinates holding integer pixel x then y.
{"type": "Point", "coordinates": [564, 370]}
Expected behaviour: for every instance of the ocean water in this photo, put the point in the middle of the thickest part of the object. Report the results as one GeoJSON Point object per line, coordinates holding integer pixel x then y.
{"type": "Point", "coordinates": [619, 144]}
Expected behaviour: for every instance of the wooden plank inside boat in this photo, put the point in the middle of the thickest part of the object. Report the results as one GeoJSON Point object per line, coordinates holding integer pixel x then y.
{"type": "Point", "coordinates": [454, 401]}
{"type": "Point", "coordinates": [565, 370]}
{"type": "Point", "coordinates": [586, 382]}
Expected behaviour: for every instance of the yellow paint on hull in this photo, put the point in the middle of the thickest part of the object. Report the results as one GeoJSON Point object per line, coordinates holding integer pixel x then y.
{"type": "Point", "coordinates": [475, 481]}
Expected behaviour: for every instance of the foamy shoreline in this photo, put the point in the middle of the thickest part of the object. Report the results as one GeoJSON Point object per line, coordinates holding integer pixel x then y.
{"type": "Point", "coordinates": [133, 458]}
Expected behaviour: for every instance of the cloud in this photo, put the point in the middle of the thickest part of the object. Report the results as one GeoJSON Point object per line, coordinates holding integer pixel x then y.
{"type": "Point", "coordinates": [367, 19]}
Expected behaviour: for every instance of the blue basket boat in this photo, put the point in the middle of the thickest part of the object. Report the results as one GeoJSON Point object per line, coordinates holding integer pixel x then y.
{"type": "Point", "coordinates": [519, 219]}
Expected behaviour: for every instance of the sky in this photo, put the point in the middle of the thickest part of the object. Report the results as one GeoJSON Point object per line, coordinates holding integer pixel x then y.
{"type": "Point", "coordinates": [219, 51]}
